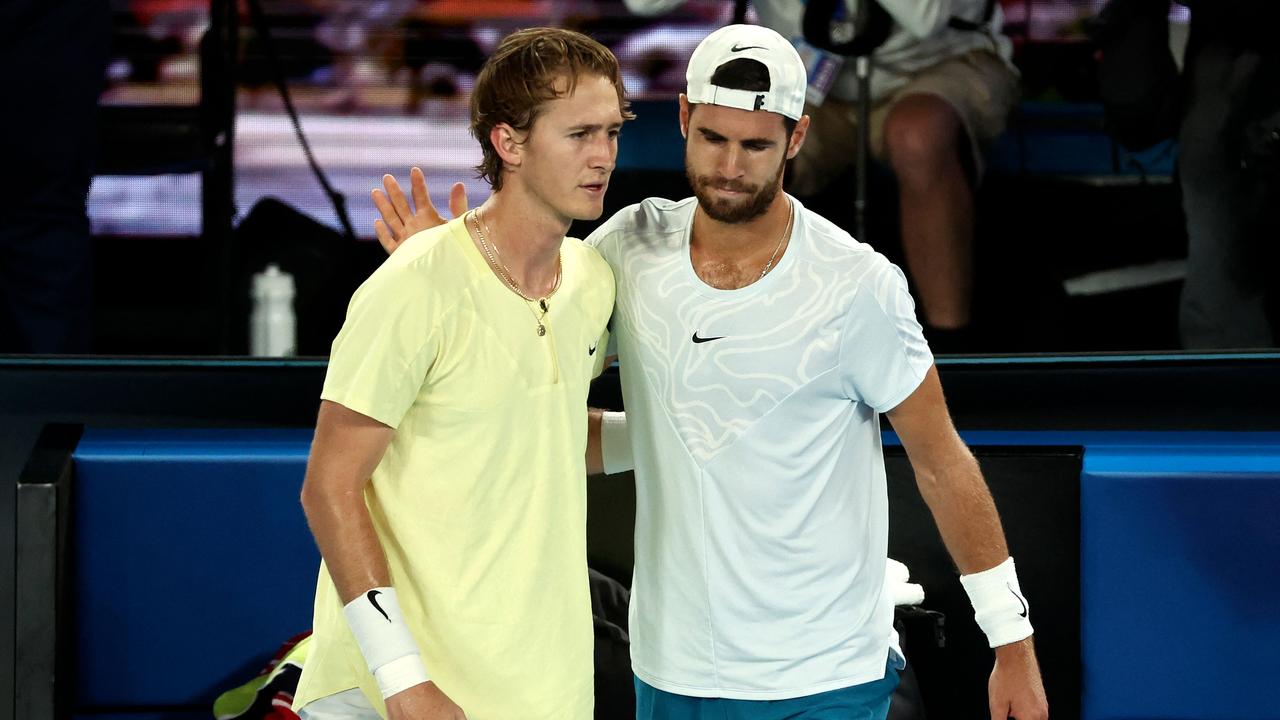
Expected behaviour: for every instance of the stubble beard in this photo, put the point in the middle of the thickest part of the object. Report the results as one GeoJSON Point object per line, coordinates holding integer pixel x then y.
{"type": "Point", "coordinates": [726, 211]}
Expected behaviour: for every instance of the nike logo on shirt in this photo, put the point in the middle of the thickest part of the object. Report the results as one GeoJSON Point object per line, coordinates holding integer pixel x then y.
{"type": "Point", "coordinates": [592, 350]}
{"type": "Point", "coordinates": [697, 339]}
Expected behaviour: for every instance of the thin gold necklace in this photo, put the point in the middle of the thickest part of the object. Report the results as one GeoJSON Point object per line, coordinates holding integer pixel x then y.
{"type": "Point", "coordinates": [505, 274]}
{"type": "Point", "coordinates": [791, 212]}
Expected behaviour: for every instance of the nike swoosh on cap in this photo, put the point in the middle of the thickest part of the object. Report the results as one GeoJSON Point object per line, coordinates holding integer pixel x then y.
{"type": "Point", "coordinates": [735, 48]}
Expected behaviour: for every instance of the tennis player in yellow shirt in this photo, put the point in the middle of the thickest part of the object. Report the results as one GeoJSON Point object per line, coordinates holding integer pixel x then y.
{"type": "Point", "coordinates": [446, 482]}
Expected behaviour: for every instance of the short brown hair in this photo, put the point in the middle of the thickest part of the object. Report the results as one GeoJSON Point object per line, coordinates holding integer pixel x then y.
{"type": "Point", "coordinates": [520, 78]}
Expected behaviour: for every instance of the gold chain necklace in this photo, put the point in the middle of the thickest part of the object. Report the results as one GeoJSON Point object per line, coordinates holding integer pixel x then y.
{"type": "Point", "coordinates": [505, 274]}
{"type": "Point", "coordinates": [791, 212]}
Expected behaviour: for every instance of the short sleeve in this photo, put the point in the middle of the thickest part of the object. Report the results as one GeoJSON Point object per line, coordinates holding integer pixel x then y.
{"type": "Point", "coordinates": [602, 352]}
{"type": "Point", "coordinates": [603, 243]}
{"type": "Point", "coordinates": [388, 343]}
{"type": "Point", "coordinates": [883, 354]}
{"type": "Point", "coordinates": [613, 339]}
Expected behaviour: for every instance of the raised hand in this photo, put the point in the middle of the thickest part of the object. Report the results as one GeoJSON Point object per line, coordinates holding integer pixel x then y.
{"type": "Point", "coordinates": [399, 220]}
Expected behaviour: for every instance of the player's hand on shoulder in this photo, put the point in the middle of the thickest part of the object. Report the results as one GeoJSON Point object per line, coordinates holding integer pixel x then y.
{"type": "Point", "coordinates": [1016, 689]}
{"type": "Point", "coordinates": [425, 701]}
{"type": "Point", "coordinates": [400, 220]}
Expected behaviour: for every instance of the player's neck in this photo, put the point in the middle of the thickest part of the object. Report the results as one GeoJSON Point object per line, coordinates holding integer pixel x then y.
{"type": "Point", "coordinates": [525, 237]}
{"type": "Point", "coordinates": [744, 241]}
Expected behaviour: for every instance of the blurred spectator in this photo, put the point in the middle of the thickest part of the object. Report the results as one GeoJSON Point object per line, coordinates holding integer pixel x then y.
{"type": "Point", "coordinates": [141, 47]}
{"type": "Point", "coordinates": [442, 58]}
{"type": "Point", "coordinates": [655, 55]}
{"type": "Point", "coordinates": [1229, 164]}
{"type": "Point", "coordinates": [53, 59]}
{"type": "Point", "coordinates": [352, 30]}
{"type": "Point", "coordinates": [940, 94]}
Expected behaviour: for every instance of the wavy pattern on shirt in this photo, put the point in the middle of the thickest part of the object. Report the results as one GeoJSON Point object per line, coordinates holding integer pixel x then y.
{"type": "Point", "coordinates": [715, 393]}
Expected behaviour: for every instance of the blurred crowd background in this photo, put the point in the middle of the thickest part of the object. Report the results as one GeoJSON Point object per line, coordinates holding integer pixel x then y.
{"type": "Point", "coordinates": [200, 178]}
{"type": "Point", "coordinates": [383, 85]}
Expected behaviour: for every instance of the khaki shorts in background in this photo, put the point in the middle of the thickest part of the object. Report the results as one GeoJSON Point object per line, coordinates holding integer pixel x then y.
{"type": "Point", "coordinates": [979, 85]}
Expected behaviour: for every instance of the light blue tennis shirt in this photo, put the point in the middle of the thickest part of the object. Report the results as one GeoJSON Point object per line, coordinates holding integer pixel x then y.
{"type": "Point", "coordinates": [762, 516]}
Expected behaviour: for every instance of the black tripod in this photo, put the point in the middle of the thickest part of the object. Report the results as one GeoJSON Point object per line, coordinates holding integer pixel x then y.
{"type": "Point", "coordinates": [868, 29]}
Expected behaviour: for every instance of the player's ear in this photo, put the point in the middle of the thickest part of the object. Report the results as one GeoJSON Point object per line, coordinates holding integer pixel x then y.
{"type": "Point", "coordinates": [796, 141]}
{"type": "Point", "coordinates": [685, 110]}
{"type": "Point", "coordinates": [508, 143]}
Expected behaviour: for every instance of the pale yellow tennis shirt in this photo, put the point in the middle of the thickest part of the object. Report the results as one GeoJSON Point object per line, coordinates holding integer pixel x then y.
{"type": "Point", "coordinates": [480, 500]}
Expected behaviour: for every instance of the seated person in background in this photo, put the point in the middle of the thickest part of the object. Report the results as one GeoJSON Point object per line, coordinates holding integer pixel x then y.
{"type": "Point", "coordinates": [446, 486]}
{"type": "Point", "coordinates": [940, 93]}
{"type": "Point", "coordinates": [1229, 169]}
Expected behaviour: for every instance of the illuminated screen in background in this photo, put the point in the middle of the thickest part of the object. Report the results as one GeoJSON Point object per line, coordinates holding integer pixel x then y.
{"type": "Point", "coordinates": [382, 86]}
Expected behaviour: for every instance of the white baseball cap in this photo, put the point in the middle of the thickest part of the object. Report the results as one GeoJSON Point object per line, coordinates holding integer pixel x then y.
{"type": "Point", "coordinates": [787, 77]}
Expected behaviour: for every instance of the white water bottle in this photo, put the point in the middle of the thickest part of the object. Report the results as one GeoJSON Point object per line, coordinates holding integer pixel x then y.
{"type": "Point", "coordinates": [272, 327]}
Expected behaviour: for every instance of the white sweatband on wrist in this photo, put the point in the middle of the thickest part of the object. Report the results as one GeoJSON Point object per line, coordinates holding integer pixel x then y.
{"type": "Point", "coordinates": [400, 674]}
{"type": "Point", "coordinates": [380, 630]}
{"type": "Point", "coordinates": [998, 604]}
{"type": "Point", "coordinates": [615, 443]}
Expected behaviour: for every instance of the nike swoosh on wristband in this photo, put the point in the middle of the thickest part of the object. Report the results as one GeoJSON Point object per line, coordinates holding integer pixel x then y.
{"type": "Point", "coordinates": [373, 599]}
{"type": "Point", "coordinates": [735, 48]}
{"type": "Point", "coordinates": [1020, 600]}
{"type": "Point", "coordinates": [697, 339]}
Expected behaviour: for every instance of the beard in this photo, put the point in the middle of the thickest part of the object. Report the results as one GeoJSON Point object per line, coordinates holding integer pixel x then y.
{"type": "Point", "coordinates": [752, 206]}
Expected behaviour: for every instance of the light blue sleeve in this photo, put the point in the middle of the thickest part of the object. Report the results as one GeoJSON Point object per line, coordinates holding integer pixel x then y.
{"type": "Point", "coordinates": [883, 354]}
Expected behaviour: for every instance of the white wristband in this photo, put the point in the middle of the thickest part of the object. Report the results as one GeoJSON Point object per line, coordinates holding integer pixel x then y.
{"type": "Point", "coordinates": [615, 443]}
{"type": "Point", "coordinates": [400, 674]}
{"type": "Point", "coordinates": [380, 630]}
{"type": "Point", "coordinates": [998, 604]}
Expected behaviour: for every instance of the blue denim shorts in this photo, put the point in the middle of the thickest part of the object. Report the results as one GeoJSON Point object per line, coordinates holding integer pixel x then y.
{"type": "Point", "coordinates": [868, 701]}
